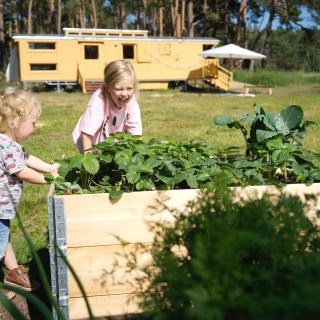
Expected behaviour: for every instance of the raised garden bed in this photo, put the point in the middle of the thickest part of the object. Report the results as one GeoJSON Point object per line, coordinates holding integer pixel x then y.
{"type": "Point", "coordinates": [91, 229]}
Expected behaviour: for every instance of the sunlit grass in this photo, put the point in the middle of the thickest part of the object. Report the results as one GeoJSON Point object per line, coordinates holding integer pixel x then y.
{"type": "Point", "coordinates": [166, 115]}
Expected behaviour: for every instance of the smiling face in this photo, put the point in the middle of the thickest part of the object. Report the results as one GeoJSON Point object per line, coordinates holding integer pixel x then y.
{"type": "Point", "coordinates": [122, 92]}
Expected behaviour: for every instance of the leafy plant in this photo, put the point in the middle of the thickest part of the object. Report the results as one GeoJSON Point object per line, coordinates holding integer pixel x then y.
{"type": "Point", "coordinates": [274, 141]}
{"type": "Point", "coordinates": [125, 163]}
{"type": "Point", "coordinates": [256, 259]}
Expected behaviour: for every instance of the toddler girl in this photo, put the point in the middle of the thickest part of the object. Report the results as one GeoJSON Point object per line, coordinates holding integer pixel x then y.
{"type": "Point", "coordinates": [112, 108]}
{"type": "Point", "coordinates": [19, 112]}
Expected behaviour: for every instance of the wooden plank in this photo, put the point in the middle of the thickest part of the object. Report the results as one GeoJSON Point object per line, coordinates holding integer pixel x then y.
{"type": "Point", "coordinates": [103, 270]}
{"type": "Point", "coordinates": [103, 306]}
{"type": "Point", "coordinates": [99, 218]}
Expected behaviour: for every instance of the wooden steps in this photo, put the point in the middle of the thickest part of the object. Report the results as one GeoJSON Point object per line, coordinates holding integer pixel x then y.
{"type": "Point", "coordinates": [92, 85]}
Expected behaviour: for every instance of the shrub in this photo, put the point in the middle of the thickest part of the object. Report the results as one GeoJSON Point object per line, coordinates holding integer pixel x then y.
{"type": "Point", "coordinates": [249, 260]}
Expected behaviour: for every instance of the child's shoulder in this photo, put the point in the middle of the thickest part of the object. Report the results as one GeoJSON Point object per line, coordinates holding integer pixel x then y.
{"type": "Point", "coordinates": [6, 142]}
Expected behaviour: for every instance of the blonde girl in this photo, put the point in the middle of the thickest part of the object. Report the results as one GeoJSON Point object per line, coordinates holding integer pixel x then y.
{"type": "Point", "coordinates": [19, 112]}
{"type": "Point", "coordinates": [112, 108]}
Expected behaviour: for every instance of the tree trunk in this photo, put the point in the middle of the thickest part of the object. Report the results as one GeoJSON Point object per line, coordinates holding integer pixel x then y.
{"type": "Point", "coordinates": [266, 30]}
{"type": "Point", "coordinates": [240, 22]}
{"type": "Point", "coordinates": [59, 17]}
{"type": "Point", "coordinates": [81, 16]}
{"type": "Point", "coordinates": [52, 17]}
{"type": "Point", "coordinates": [123, 16]}
{"type": "Point", "coordinates": [183, 17]}
{"type": "Point", "coordinates": [144, 14]}
{"type": "Point", "coordinates": [190, 19]}
{"type": "Point", "coordinates": [29, 17]}
{"type": "Point", "coordinates": [154, 20]}
{"type": "Point", "coordinates": [226, 36]}
{"type": "Point", "coordinates": [178, 27]}
{"type": "Point", "coordinates": [174, 13]}
{"type": "Point", "coordinates": [161, 18]}
{"type": "Point", "coordinates": [94, 14]}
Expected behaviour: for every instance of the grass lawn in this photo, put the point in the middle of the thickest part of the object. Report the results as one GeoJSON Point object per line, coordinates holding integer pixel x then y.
{"type": "Point", "coordinates": [169, 114]}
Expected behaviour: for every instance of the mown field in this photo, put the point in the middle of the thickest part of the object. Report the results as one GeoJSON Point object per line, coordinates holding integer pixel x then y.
{"type": "Point", "coordinates": [168, 114]}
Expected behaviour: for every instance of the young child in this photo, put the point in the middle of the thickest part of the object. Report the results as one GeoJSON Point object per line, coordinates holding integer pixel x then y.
{"type": "Point", "coordinates": [112, 108]}
{"type": "Point", "coordinates": [19, 112]}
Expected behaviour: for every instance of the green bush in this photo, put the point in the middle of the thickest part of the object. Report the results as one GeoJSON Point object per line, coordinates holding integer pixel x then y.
{"type": "Point", "coordinates": [249, 260]}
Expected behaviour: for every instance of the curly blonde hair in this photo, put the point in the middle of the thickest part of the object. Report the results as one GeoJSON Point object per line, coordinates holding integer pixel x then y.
{"type": "Point", "coordinates": [16, 105]}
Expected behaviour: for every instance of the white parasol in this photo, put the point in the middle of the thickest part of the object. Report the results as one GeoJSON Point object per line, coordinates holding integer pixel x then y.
{"type": "Point", "coordinates": [231, 51]}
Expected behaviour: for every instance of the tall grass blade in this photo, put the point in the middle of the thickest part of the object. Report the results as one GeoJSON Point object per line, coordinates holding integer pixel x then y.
{"type": "Point", "coordinates": [91, 316]}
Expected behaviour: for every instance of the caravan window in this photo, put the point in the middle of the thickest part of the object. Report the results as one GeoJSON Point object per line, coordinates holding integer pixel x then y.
{"type": "Point", "coordinates": [91, 52]}
{"type": "Point", "coordinates": [43, 66]}
{"type": "Point", "coordinates": [207, 46]}
{"type": "Point", "coordinates": [128, 51]}
{"type": "Point", "coordinates": [42, 45]}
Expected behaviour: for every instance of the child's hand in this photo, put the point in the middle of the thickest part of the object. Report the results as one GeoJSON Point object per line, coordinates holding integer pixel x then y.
{"type": "Point", "coordinates": [55, 167]}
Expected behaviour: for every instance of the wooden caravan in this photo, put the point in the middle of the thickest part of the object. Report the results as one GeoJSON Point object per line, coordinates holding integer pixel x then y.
{"type": "Point", "coordinates": [79, 56]}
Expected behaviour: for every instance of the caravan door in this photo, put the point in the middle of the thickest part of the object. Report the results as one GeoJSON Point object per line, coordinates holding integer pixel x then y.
{"type": "Point", "coordinates": [91, 63]}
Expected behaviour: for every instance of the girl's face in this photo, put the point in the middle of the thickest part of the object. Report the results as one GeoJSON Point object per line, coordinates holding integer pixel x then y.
{"type": "Point", "coordinates": [122, 92]}
{"type": "Point", "coordinates": [26, 128]}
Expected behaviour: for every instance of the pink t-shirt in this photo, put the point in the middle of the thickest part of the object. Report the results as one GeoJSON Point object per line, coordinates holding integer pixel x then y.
{"type": "Point", "coordinates": [101, 118]}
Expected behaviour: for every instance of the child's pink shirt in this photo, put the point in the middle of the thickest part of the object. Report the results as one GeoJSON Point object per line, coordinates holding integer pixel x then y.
{"type": "Point", "coordinates": [101, 118]}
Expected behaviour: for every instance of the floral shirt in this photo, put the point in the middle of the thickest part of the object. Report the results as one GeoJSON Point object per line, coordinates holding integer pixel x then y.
{"type": "Point", "coordinates": [12, 159]}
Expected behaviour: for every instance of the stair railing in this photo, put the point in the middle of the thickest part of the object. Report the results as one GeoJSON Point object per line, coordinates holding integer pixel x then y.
{"type": "Point", "coordinates": [220, 76]}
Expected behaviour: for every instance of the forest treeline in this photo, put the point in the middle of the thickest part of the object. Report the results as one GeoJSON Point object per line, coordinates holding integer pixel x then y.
{"type": "Point", "coordinates": [276, 28]}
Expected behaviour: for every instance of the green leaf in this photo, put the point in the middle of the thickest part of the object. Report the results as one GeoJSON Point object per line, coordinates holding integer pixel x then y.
{"type": "Point", "coordinates": [125, 154]}
{"type": "Point", "coordinates": [90, 163]}
{"type": "Point", "coordinates": [215, 171]}
{"type": "Point", "coordinates": [153, 162]}
{"type": "Point", "coordinates": [123, 163]}
{"type": "Point", "coordinates": [140, 185]}
{"type": "Point", "coordinates": [142, 148]}
{"type": "Point", "coordinates": [115, 194]}
{"type": "Point", "coordinates": [275, 155]}
{"type": "Point", "coordinates": [275, 143]}
{"type": "Point", "coordinates": [133, 177]}
{"type": "Point", "coordinates": [315, 174]}
{"type": "Point", "coordinates": [192, 181]}
{"type": "Point", "coordinates": [105, 158]}
{"type": "Point", "coordinates": [137, 159]}
{"type": "Point", "coordinates": [298, 168]}
{"type": "Point", "coordinates": [76, 161]}
{"type": "Point", "coordinates": [292, 116]}
{"type": "Point", "coordinates": [149, 185]}
{"type": "Point", "coordinates": [165, 179]}
{"type": "Point", "coordinates": [178, 178]}
{"type": "Point", "coordinates": [263, 135]}
{"type": "Point", "coordinates": [223, 120]}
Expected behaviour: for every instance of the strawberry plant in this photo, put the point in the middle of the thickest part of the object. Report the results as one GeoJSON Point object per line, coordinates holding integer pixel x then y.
{"type": "Point", "coordinates": [124, 163]}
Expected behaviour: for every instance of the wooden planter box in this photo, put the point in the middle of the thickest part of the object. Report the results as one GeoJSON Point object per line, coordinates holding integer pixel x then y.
{"type": "Point", "coordinates": [89, 229]}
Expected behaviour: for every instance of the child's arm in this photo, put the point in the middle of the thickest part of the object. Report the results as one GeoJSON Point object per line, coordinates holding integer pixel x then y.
{"type": "Point", "coordinates": [32, 176]}
{"type": "Point", "coordinates": [39, 165]}
{"type": "Point", "coordinates": [30, 173]}
{"type": "Point", "coordinates": [86, 141]}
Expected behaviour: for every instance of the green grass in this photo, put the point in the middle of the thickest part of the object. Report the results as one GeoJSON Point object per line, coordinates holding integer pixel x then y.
{"type": "Point", "coordinates": [166, 115]}
{"type": "Point", "coordinates": [277, 78]}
